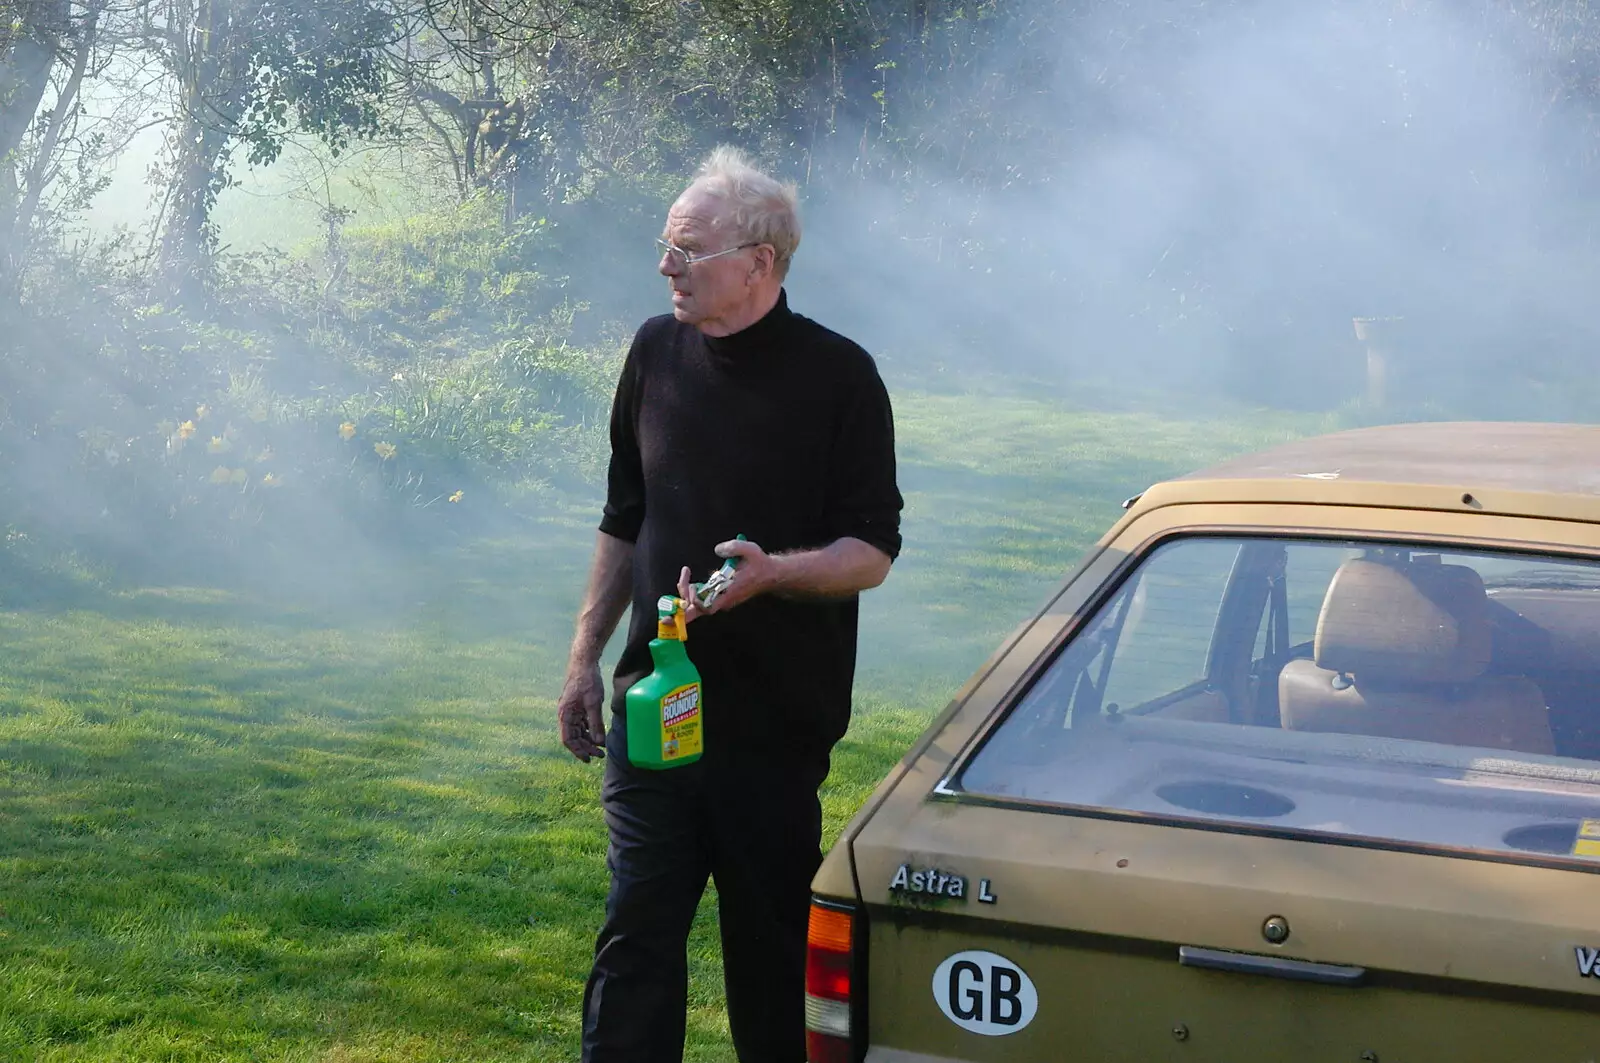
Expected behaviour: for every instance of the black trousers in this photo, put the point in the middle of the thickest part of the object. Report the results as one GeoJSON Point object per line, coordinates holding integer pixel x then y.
{"type": "Point", "coordinates": [755, 828]}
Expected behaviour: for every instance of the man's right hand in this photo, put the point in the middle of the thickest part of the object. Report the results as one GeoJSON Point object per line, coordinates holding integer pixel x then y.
{"type": "Point", "coordinates": [583, 728]}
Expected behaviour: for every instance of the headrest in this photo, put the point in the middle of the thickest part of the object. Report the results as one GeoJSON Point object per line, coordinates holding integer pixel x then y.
{"type": "Point", "coordinates": [1415, 622]}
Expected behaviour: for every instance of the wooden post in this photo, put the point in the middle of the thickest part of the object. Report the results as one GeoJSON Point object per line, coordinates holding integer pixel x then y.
{"type": "Point", "coordinates": [1377, 335]}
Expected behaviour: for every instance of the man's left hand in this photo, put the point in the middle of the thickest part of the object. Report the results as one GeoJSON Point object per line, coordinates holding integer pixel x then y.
{"type": "Point", "coordinates": [757, 573]}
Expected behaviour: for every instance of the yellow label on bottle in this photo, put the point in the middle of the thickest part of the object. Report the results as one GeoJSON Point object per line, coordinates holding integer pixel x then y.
{"type": "Point", "coordinates": [680, 722]}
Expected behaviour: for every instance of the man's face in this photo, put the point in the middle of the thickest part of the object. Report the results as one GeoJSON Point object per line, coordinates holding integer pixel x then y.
{"type": "Point", "coordinates": [707, 292]}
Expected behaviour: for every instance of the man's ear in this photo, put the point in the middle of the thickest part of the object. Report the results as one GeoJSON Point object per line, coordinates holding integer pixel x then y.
{"type": "Point", "coordinates": [766, 258]}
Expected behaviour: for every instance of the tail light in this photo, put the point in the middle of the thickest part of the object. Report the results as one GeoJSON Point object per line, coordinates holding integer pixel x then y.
{"type": "Point", "coordinates": [829, 941]}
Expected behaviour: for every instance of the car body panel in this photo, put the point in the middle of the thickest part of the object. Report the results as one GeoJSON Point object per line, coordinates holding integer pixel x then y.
{"type": "Point", "coordinates": [1100, 1002]}
{"type": "Point", "coordinates": [1467, 955]}
{"type": "Point", "coordinates": [1535, 470]}
{"type": "Point", "coordinates": [1553, 460]}
{"type": "Point", "coordinates": [1477, 920]}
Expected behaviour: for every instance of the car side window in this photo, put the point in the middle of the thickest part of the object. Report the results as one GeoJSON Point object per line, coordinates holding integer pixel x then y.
{"type": "Point", "coordinates": [1308, 569]}
{"type": "Point", "coordinates": [1165, 638]}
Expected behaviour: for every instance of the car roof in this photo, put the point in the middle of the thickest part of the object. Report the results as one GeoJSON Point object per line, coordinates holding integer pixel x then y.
{"type": "Point", "coordinates": [1525, 469]}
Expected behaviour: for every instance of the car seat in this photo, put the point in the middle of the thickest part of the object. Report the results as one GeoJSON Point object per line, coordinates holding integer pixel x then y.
{"type": "Point", "coordinates": [1401, 650]}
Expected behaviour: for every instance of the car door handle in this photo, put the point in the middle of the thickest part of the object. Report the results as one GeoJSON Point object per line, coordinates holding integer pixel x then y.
{"type": "Point", "coordinates": [1272, 966]}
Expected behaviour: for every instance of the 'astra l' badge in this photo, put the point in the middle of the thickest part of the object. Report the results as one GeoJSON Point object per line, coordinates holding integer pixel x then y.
{"type": "Point", "coordinates": [908, 879]}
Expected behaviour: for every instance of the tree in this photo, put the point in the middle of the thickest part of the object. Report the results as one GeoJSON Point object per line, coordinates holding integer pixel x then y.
{"type": "Point", "coordinates": [540, 99]}
{"type": "Point", "coordinates": [31, 40]}
{"type": "Point", "coordinates": [251, 72]}
{"type": "Point", "coordinates": [57, 127]}
{"type": "Point", "coordinates": [491, 85]}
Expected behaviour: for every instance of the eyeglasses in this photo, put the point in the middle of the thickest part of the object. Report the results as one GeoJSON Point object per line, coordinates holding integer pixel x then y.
{"type": "Point", "coordinates": [682, 259]}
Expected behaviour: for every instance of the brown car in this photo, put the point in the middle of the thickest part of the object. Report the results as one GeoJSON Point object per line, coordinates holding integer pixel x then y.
{"type": "Point", "coordinates": [1302, 764]}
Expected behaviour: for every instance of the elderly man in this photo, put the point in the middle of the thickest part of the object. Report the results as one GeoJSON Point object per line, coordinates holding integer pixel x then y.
{"type": "Point", "coordinates": [733, 415]}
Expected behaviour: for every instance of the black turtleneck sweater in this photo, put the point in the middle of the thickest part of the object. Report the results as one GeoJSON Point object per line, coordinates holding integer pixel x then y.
{"type": "Point", "coordinates": [782, 432]}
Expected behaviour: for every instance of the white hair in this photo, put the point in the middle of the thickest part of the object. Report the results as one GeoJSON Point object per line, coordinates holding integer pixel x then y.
{"type": "Point", "coordinates": [763, 209]}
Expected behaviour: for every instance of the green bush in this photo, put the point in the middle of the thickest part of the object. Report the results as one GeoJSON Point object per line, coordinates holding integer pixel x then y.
{"type": "Point", "coordinates": [527, 407]}
{"type": "Point", "coordinates": [412, 381]}
{"type": "Point", "coordinates": [443, 283]}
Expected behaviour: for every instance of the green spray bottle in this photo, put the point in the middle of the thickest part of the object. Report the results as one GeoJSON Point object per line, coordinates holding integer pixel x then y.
{"type": "Point", "coordinates": [664, 708]}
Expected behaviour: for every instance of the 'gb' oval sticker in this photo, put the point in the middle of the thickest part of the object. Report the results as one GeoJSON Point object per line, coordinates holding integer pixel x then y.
{"type": "Point", "coordinates": [985, 993]}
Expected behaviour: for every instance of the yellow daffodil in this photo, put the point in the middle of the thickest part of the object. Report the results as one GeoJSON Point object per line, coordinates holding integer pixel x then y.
{"type": "Point", "coordinates": [384, 450]}
{"type": "Point", "coordinates": [219, 445]}
{"type": "Point", "coordinates": [221, 474]}
{"type": "Point", "coordinates": [185, 430]}
{"type": "Point", "coordinates": [271, 480]}
{"type": "Point", "coordinates": [347, 430]}
{"type": "Point", "coordinates": [458, 496]}
{"type": "Point", "coordinates": [200, 411]}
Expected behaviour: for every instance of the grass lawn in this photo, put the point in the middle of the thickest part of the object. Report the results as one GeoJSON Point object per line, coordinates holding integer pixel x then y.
{"type": "Point", "coordinates": [240, 830]}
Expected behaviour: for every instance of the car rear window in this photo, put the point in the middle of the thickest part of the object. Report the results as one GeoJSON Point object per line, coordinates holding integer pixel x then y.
{"type": "Point", "coordinates": [1424, 696]}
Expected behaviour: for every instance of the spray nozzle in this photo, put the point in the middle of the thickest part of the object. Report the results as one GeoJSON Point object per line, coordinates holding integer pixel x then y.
{"type": "Point", "coordinates": [670, 621]}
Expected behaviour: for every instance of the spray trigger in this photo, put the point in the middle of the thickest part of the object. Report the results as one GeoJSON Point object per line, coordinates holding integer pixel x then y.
{"type": "Point", "coordinates": [670, 620]}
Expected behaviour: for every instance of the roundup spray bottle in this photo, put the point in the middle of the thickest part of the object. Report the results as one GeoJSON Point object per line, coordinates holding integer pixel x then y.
{"type": "Point", "coordinates": [664, 719]}
{"type": "Point", "coordinates": [665, 725]}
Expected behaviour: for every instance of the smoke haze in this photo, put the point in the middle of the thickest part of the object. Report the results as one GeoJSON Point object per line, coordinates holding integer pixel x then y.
{"type": "Point", "coordinates": [292, 542]}
{"type": "Point", "coordinates": [1204, 197]}
{"type": "Point", "coordinates": [1201, 195]}
{"type": "Point", "coordinates": [1171, 207]}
